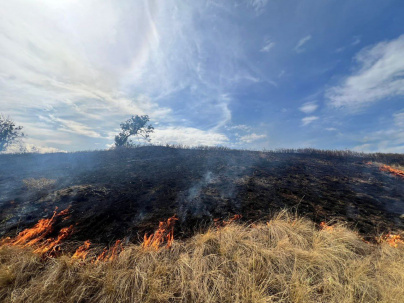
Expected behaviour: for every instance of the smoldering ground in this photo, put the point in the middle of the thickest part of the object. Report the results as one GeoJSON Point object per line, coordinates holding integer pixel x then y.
{"type": "Point", "coordinates": [123, 193]}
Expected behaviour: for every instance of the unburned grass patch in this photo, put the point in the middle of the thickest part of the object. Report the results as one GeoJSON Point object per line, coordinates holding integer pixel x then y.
{"type": "Point", "coordinates": [289, 259]}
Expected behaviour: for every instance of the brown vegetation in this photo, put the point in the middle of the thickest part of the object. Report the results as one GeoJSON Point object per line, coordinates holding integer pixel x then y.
{"type": "Point", "coordinates": [39, 184]}
{"type": "Point", "coordinates": [289, 259]}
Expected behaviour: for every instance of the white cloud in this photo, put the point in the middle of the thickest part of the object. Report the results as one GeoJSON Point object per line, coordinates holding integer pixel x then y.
{"type": "Point", "coordinates": [60, 61]}
{"type": "Point", "coordinates": [268, 46]}
{"type": "Point", "coordinates": [75, 127]}
{"type": "Point", "coordinates": [366, 147]}
{"type": "Point", "coordinates": [380, 76]}
{"type": "Point", "coordinates": [188, 136]}
{"type": "Point", "coordinates": [308, 120]}
{"type": "Point", "coordinates": [299, 46]}
{"type": "Point", "coordinates": [308, 107]}
{"type": "Point", "coordinates": [241, 127]}
{"type": "Point", "coordinates": [356, 41]}
{"type": "Point", "coordinates": [87, 66]}
{"type": "Point", "coordinates": [31, 148]}
{"type": "Point", "coordinates": [251, 138]}
{"type": "Point", "coordinates": [258, 5]}
{"type": "Point", "coordinates": [340, 49]}
{"type": "Point", "coordinates": [399, 120]}
{"type": "Point", "coordinates": [390, 140]}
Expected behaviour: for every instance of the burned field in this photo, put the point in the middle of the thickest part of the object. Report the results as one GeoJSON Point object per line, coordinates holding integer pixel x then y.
{"type": "Point", "coordinates": [105, 196]}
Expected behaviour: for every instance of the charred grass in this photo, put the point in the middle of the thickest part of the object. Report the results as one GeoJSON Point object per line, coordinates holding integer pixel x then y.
{"type": "Point", "coordinates": [123, 193]}
{"type": "Point", "coordinates": [288, 259]}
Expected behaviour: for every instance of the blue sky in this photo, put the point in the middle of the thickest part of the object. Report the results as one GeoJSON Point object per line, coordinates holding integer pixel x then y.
{"type": "Point", "coordinates": [258, 74]}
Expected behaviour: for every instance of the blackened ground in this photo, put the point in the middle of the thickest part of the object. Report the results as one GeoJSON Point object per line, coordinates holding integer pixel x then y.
{"type": "Point", "coordinates": [121, 194]}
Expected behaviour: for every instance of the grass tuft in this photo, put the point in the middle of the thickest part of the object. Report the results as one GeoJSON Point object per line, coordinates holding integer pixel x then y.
{"type": "Point", "coordinates": [289, 259]}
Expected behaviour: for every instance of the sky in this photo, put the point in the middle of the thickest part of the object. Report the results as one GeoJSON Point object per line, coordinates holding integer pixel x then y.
{"type": "Point", "coordinates": [254, 74]}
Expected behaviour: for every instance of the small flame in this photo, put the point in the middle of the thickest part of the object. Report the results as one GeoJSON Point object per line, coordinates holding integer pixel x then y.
{"type": "Point", "coordinates": [218, 224]}
{"type": "Point", "coordinates": [33, 235]}
{"type": "Point", "coordinates": [36, 236]}
{"type": "Point", "coordinates": [165, 232]}
{"type": "Point", "coordinates": [110, 254]}
{"type": "Point", "coordinates": [102, 256]}
{"type": "Point", "coordinates": [63, 212]}
{"type": "Point", "coordinates": [82, 251]}
{"type": "Point", "coordinates": [116, 250]}
{"type": "Point", "coordinates": [325, 226]}
{"type": "Point", "coordinates": [394, 171]}
{"type": "Point", "coordinates": [52, 245]}
{"type": "Point", "coordinates": [393, 240]}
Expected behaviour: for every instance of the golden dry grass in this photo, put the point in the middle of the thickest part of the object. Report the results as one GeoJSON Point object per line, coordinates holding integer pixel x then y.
{"type": "Point", "coordinates": [287, 260]}
{"type": "Point", "coordinates": [38, 184]}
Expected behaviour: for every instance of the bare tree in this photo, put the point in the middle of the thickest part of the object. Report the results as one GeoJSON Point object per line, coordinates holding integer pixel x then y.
{"type": "Point", "coordinates": [9, 132]}
{"type": "Point", "coordinates": [135, 126]}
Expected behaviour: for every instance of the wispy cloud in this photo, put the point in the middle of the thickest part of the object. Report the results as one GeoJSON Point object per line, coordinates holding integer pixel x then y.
{"type": "Point", "coordinates": [308, 120]}
{"type": "Point", "coordinates": [399, 120]}
{"type": "Point", "coordinates": [74, 127]}
{"type": "Point", "coordinates": [268, 45]}
{"type": "Point", "coordinates": [379, 76]}
{"type": "Point", "coordinates": [299, 46]}
{"type": "Point", "coordinates": [390, 139]}
{"type": "Point", "coordinates": [32, 148]}
{"type": "Point", "coordinates": [188, 136]}
{"type": "Point", "coordinates": [356, 41]}
{"type": "Point", "coordinates": [251, 138]}
{"type": "Point", "coordinates": [258, 5]}
{"type": "Point", "coordinates": [110, 61]}
{"type": "Point", "coordinates": [241, 127]}
{"type": "Point", "coordinates": [65, 71]}
{"type": "Point", "coordinates": [308, 107]}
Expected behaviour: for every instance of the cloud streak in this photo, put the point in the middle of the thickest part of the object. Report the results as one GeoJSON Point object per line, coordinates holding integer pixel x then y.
{"type": "Point", "coordinates": [268, 45]}
{"type": "Point", "coordinates": [308, 107]}
{"type": "Point", "coordinates": [189, 136]}
{"type": "Point", "coordinates": [379, 76]}
{"type": "Point", "coordinates": [299, 46]}
{"type": "Point", "coordinates": [251, 138]}
{"type": "Point", "coordinates": [85, 70]}
{"type": "Point", "coordinates": [308, 120]}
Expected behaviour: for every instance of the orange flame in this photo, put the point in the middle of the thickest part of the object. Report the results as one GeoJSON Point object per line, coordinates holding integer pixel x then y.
{"type": "Point", "coordinates": [82, 251]}
{"type": "Point", "coordinates": [63, 212]}
{"type": "Point", "coordinates": [36, 236]}
{"type": "Point", "coordinates": [102, 256]}
{"type": "Point", "coordinates": [219, 224]}
{"type": "Point", "coordinates": [394, 171]}
{"type": "Point", "coordinates": [116, 250]}
{"type": "Point", "coordinates": [234, 218]}
{"type": "Point", "coordinates": [393, 240]}
{"type": "Point", "coordinates": [164, 232]}
{"type": "Point", "coordinates": [33, 235]}
{"type": "Point", "coordinates": [110, 254]}
{"type": "Point", "coordinates": [325, 226]}
{"type": "Point", "coordinates": [52, 245]}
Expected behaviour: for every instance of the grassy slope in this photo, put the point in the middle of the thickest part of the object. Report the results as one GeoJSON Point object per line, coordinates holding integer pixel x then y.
{"type": "Point", "coordinates": [287, 260]}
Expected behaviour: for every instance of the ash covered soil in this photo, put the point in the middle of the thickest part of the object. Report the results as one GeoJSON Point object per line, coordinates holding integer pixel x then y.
{"type": "Point", "coordinates": [121, 194]}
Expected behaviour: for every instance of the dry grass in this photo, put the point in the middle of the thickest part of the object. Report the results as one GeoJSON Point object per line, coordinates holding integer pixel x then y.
{"type": "Point", "coordinates": [287, 260]}
{"type": "Point", "coordinates": [39, 184]}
